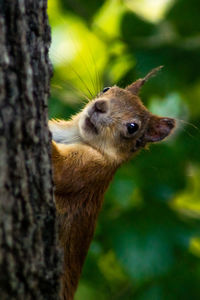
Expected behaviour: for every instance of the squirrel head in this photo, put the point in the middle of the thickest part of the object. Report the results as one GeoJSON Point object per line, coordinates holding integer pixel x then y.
{"type": "Point", "coordinates": [119, 125]}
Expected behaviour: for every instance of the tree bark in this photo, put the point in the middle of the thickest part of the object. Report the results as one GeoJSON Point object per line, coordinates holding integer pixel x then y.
{"type": "Point", "coordinates": [29, 264]}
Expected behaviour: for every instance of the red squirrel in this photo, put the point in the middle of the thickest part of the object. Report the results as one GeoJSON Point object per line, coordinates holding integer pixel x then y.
{"type": "Point", "coordinates": [86, 152]}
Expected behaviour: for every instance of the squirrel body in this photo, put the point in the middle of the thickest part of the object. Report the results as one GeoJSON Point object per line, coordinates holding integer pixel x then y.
{"type": "Point", "coordinates": [86, 152]}
{"type": "Point", "coordinates": [79, 198]}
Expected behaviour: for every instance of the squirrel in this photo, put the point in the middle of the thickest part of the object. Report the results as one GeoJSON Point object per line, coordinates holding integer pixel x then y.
{"type": "Point", "coordinates": [86, 152]}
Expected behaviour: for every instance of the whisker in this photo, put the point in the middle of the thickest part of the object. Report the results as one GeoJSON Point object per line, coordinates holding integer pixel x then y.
{"type": "Point", "coordinates": [97, 74]}
{"type": "Point", "coordinates": [80, 78]}
{"type": "Point", "coordinates": [85, 64]}
{"type": "Point", "coordinates": [189, 134]}
{"type": "Point", "coordinates": [96, 85]}
{"type": "Point", "coordinates": [68, 85]}
{"type": "Point", "coordinates": [188, 123]}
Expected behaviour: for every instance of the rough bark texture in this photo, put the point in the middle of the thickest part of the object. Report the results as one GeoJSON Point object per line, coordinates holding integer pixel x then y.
{"type": "Point", "coordinates": [29, 267]}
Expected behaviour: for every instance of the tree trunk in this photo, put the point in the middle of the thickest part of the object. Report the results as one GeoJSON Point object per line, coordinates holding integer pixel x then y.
{"type": "Point", "coordinates": [29, 264]}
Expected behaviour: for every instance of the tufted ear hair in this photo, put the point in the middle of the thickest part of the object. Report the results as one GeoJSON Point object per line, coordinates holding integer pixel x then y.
{"type": "Point", "coordinates": [135, 87]}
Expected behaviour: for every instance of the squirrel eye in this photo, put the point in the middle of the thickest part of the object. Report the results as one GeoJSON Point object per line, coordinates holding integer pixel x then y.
{"type": "Point", "coordinates": [106, 89]}
{"type": "Point", "coordinates": [132, 127]}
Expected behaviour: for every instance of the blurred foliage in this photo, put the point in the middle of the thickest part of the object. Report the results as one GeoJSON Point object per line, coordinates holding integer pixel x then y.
{"type": "Point", "coordinates": [147, 241]}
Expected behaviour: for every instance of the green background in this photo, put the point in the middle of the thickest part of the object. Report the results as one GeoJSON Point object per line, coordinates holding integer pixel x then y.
{"type": "Point", "coordinates": [147, 240]}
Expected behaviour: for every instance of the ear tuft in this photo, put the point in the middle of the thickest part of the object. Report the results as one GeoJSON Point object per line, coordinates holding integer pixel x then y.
{"type": "Point", "coordinates": [135, 87]}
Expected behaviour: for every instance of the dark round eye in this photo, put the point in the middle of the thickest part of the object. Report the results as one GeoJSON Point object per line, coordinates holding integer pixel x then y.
{"type": "Point", "coordinates": [132, 127]}
{"type": "Point", "coordinates": [106, 89]}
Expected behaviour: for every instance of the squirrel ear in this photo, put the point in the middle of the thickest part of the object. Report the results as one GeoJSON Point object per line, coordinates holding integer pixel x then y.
{"type": "Point", "coordinates": [158, 128]}
{"type": "Point", "coordinates": [135, 87]}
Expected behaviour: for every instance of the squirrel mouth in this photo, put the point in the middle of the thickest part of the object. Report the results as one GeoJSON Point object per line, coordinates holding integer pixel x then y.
{"type": "Point", "coordinates": [90, 125]}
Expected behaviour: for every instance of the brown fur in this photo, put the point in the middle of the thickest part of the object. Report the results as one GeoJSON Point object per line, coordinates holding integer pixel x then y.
{"type": "Point", "coordinates": [81, 180]}
{"type": "Point", "coordinates": [85, 156]}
